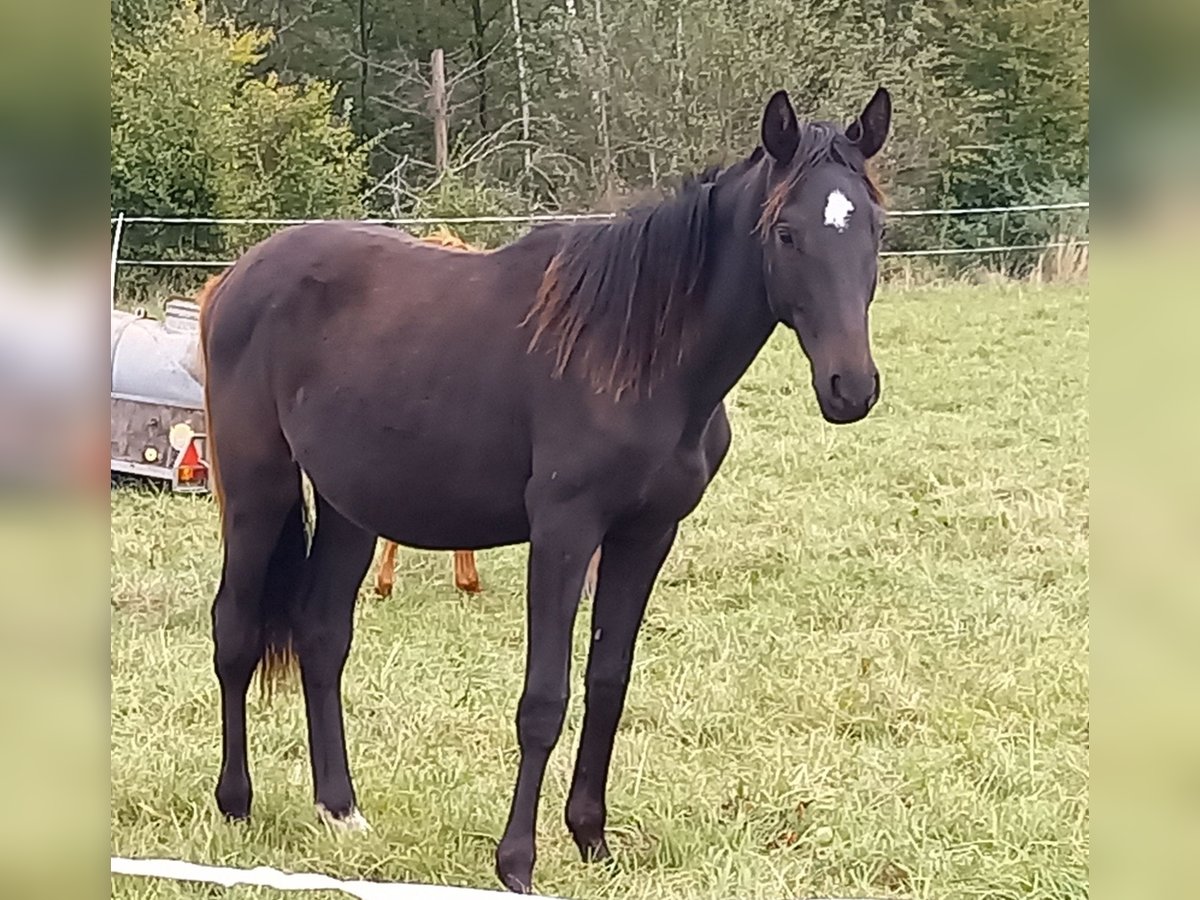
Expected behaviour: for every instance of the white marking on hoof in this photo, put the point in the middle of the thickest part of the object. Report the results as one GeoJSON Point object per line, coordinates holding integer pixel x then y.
{"type": "Point", "coordinates": [353, 821]}
{"type": "Point", "coordinates": [837, 210]}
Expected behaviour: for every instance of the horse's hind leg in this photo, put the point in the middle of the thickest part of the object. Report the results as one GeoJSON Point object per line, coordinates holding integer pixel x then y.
{"type": "Point", "coordinates": [261, 574]}
{"type": "Point", "coordinates": [322, 626]}
{"type": "Point", "coordinates": [466, 576]}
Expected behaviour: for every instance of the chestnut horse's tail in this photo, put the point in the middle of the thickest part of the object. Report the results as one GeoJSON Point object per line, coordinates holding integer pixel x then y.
{"type": "Point", "coordinates": [278, 664]}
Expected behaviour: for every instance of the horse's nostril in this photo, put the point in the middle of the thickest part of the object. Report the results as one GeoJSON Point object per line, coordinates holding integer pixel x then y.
{"type": "Point", "coordinates": [834, 384]}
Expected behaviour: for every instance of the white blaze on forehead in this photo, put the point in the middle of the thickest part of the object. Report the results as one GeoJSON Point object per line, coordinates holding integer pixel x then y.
{"type": "Point", "coordinates": [837, 210]}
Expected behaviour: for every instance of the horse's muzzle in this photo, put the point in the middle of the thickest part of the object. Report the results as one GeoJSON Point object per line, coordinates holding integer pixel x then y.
{"type": "Point", "coordinates": [848, 396]}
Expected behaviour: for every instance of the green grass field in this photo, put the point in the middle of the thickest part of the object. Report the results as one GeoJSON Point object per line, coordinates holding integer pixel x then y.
{"type": "Point", "coordinates": [863, 673]}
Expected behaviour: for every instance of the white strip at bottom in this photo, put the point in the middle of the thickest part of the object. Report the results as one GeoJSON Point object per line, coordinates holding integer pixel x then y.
{"type": "Point", "coordinates": [265, 876]}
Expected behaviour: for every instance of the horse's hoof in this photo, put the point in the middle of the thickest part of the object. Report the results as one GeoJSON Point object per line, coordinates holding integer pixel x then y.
{"type": "Point", "coordinates": [517, 884]}
{"type": "Point", "coordinates": [515, 871]}
{"type": "Point", "coordinates": [235, 814]}
{"type": "Point", "coordinates": [597, 853]}
{"type": "Point", "coordinates": [353, 821]}
{"type": "Point", "coordinates": [234, 803]}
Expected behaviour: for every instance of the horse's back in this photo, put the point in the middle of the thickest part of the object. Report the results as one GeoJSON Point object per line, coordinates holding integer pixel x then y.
{"type": "Point", "coordinates": [334, 295]}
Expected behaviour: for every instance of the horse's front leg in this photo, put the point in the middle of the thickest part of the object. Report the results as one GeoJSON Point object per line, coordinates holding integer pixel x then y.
{"type": "Point", "coordinates": [628, 570]}
{"type": "Point", "coordinates": [560, 545]}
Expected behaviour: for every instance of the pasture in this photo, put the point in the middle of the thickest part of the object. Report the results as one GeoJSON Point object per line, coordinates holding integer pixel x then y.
{"type": "Point", "coordinates": [863, 671]}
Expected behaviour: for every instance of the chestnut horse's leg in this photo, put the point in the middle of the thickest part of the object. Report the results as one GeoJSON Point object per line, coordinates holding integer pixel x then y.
{"type": "Point", "coordinates": [466, 576]}
{"type": "Point", "coordinates": [630, 568]}
{"type": "Point", "coordinates": [385, 575]}
{"type": "Point", "coordinates": [322, 627]}
{"type": "Point", "coordinates": [559, 548]}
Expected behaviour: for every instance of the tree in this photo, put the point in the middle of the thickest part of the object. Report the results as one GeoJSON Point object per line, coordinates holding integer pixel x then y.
{"type": "Point", "coordinates": [194, 132]}
{"type": "Point", "coordinates": [1018, 73]}
{"type": "Point", "coordinates": [600, 99]}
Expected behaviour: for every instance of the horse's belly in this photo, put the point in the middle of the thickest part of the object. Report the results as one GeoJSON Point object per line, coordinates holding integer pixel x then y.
{"type": "Point", "coordinates": [464, 509]}
{"type": "Point", "coordinates": [431, 485]}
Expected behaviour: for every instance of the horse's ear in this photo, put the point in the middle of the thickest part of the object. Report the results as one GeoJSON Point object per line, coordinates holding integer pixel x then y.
{"type": "Point", "coordinates": [870, 129]}
{"type": "Point", "coordinates": [780, 130]}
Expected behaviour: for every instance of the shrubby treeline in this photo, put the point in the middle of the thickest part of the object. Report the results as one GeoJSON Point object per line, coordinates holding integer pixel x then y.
{"type": "Point", "coordinates": [318, 108]}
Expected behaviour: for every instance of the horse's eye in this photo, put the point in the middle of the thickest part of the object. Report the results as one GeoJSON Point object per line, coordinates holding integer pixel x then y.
{"type": "Point", "coordinates": [785, 236]}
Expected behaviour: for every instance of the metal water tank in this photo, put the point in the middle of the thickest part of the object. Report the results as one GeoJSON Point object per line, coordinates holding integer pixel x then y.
{"type": "Point", "coordinates": [156, 361]}
{"type": "Point", "coordinates": [157, 399]}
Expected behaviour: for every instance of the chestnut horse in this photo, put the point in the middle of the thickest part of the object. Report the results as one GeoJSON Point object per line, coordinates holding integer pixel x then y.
{"type": "Point", "coordinates": [564, 390]}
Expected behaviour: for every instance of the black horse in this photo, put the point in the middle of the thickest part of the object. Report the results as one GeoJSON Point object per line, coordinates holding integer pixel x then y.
{"type": "Point", "coordinates": [565, 389]}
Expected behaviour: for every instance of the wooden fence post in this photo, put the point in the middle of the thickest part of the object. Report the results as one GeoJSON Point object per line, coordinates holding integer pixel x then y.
{"type": "Point", "coordinates": [438, 109]}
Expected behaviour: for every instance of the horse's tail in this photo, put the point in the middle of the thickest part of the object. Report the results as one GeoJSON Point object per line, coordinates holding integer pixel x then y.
{"type": "Point", "coordinates": [203, 301]}
{"type": "Point", "coordinates": [278, 664]}
{"type": "Point", "coordinates": [209, 287]}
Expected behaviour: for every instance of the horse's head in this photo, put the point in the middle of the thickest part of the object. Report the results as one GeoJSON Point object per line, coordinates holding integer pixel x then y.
{"type": "Point", "coordinates": [821, 226]}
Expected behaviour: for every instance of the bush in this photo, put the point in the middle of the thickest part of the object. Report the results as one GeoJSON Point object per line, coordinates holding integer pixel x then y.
{"type": "Point", "coordinates": [194, 133]}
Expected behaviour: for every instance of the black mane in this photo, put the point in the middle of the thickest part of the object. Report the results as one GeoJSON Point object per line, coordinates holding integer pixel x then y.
{"type": "Point", "coordinates": [623, 287]}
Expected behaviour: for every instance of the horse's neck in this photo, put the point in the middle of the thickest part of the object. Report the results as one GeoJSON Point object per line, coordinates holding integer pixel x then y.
{"type": "Point", "coordinates": [737, 323]}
